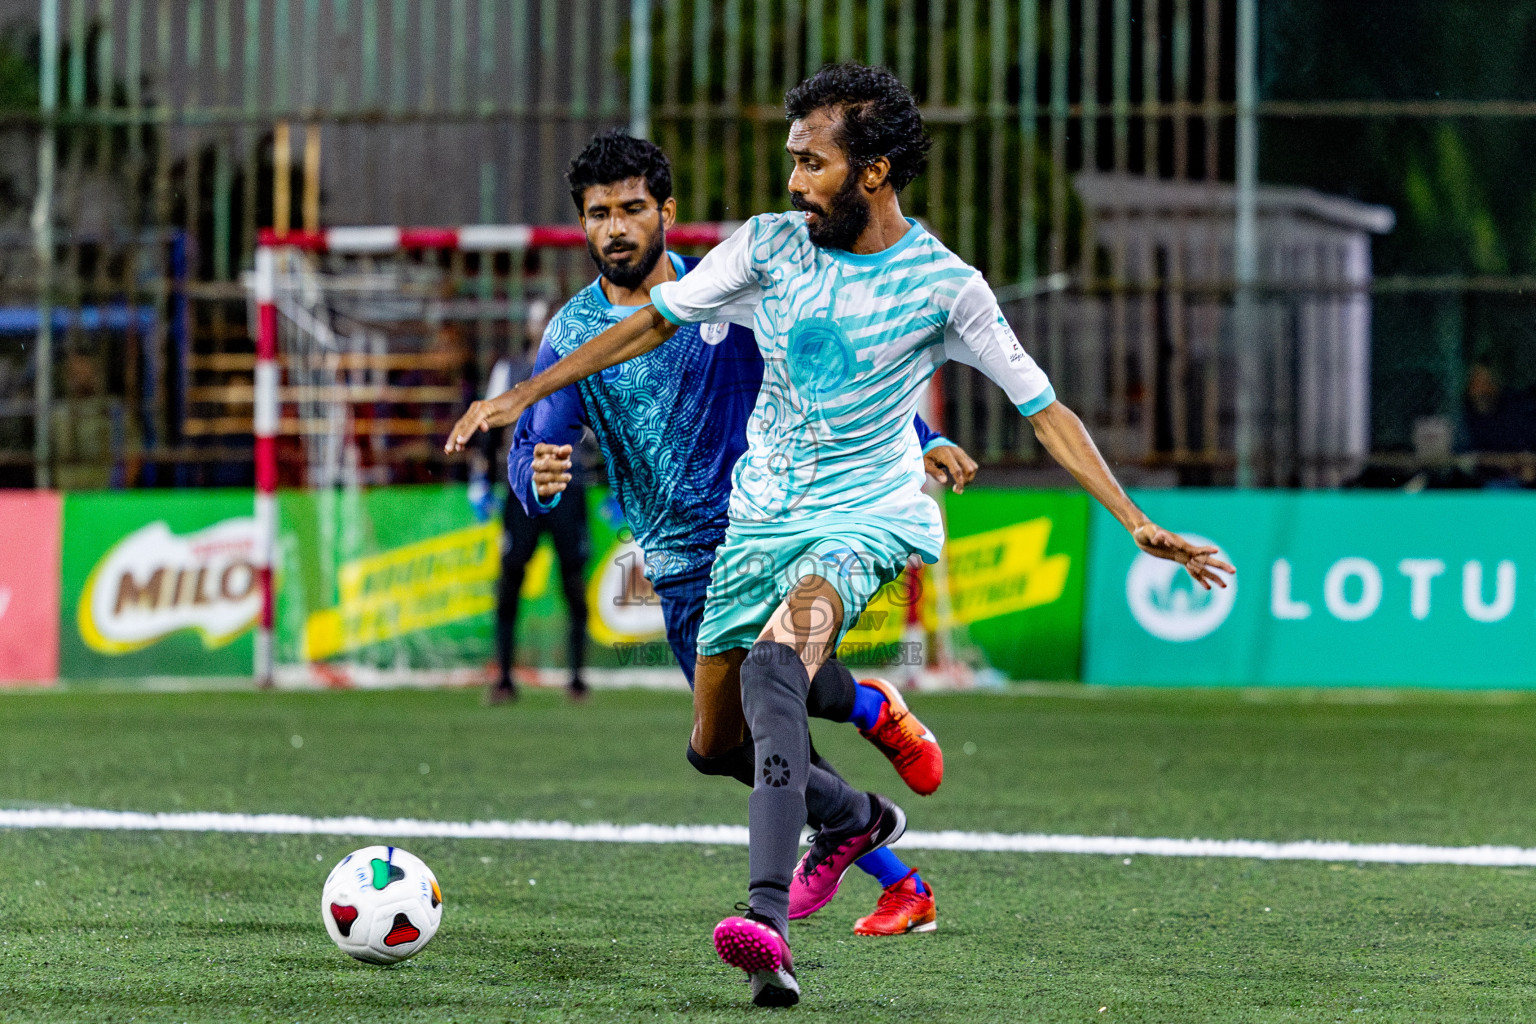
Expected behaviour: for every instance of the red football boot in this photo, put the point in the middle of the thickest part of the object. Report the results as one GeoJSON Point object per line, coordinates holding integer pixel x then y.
{"type": "Point", "coordinates": [910, 745]}
{"type": "Point", "coordinates": [901, 909]}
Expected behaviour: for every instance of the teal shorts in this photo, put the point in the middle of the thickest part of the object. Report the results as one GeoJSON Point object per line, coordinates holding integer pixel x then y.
{"type": "Point", "coordinates": [755, 569]}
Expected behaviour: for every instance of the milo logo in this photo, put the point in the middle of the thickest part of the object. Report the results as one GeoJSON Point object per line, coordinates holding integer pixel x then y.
{"type": "Point", "coordinates": [625, 609]}
{"type": "Point", "coordinates": [153, 583]}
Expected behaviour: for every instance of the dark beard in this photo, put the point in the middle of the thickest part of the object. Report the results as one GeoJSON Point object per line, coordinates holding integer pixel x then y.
{"type": "Point", "coordinates": [628, 276]}
{"type": "Point", "coordinates": [841, 226]}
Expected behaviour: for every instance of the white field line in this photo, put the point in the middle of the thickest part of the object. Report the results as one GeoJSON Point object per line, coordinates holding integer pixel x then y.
{"type": "Point", "coordinates": [736, 835]}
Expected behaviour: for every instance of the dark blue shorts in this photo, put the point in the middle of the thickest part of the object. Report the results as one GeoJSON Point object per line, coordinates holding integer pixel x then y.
{"type": "Point", "coordinates": [682, 606]}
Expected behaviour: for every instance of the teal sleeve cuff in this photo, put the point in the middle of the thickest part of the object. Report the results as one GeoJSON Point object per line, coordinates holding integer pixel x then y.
{"type": "Point", "coordinates": [938, 441]}
{"type": "Point", "coordinates": [1039, 402]}
{"type": "Point", "coordinates": [665, 310]}
{"type": "Point", "coordinates": [545, 505]}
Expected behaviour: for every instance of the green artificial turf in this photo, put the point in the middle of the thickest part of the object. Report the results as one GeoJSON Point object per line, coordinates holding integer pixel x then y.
{"type": "Point", "coordinates": [189, 927]}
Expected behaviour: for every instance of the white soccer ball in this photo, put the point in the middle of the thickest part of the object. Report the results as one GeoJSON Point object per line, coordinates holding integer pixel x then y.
{"type": "Point", "coordinates": [381, 904]}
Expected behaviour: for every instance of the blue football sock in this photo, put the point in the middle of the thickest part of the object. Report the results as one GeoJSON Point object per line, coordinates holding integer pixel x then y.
{"type": "Point", "coordinates": [868, 702]}
{"type": "Point", "coordinates": [887, 868]}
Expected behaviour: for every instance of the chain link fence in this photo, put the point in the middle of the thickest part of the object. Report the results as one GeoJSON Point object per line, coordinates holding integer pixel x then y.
{"type": "Point", "coordinates": [1084, 154]}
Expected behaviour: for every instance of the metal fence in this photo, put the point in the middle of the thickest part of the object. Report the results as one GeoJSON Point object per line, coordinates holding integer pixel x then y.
{"type": "Point", "coordinates": [166, 133]}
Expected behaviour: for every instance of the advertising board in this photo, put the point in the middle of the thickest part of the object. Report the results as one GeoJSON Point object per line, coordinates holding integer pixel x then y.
{"type": "Point", "coordinates": [1013, 580]}
{"type": "Point", "coordinates": [29, 586]}
{"type": "Point", "coordinates": [157, 583]}
{"type": "Point", "coordinates": [1332, 590]}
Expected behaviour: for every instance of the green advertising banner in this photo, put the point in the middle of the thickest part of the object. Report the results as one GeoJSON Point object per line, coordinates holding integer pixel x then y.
{"type": "Point", "coordinates": [157, 583]}
{"type": "Point", "coordinates": [1332, 590]}
{"type": "Point", "coordinates": [1017, 568]}
{"type": "Point", "coordinates": [1012, 582]}
{"type": "Point", "coordinates": [389, 578]}
{"type": "Point", "coordinates": [372, 585]}
{"type": "Point", "coordinates": [398, 583]}
{"type": "Point", "coordinates": [402, 580]}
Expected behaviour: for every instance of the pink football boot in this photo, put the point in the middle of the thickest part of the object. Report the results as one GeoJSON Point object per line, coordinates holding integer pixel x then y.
{"type": "Point", "coordinates": [755, 946]}
{"type": "Point", "coordinates": [821, 869]}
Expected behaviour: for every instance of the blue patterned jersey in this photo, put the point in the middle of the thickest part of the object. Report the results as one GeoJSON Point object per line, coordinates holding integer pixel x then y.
{"type": "Point", "coordinates": [671, 424]}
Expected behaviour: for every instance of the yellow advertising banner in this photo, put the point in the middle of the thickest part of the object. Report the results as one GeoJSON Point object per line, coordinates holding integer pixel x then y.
{"type": "Point", "coordinates": [418, 586]}
{"type": "Point", "coordinates": [1002, 571]}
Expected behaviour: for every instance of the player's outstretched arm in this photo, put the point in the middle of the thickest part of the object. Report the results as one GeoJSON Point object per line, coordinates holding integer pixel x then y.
{"type": "Point", "coordinates": [1069, 443]}
{"type": "Point", "coordinates": [635, 335]}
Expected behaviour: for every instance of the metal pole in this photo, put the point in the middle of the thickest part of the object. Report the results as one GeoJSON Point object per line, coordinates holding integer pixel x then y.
{"type": "Point", "coordinates": [282, 179]}
{"type": "Point", "coordinates": [640, 68]}
{"type": "Point", "coordinates": [266, 421]}
{"type": "Point", "coordinates": [42, 237]}
{"type": "Point", "coordinates": [1245, 238]}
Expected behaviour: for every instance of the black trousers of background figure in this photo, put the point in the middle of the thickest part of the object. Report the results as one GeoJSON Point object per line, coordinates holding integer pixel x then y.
{"type": "Point", "coordinates": [566, 525]}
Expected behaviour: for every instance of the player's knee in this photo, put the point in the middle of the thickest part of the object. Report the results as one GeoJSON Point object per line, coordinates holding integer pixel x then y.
{"type": "Point", "coordinates": [702, 764]}
{"type": "Point", "coordinates": [709, 740]}
{"type": "Point", "coordinates": [715, 729]}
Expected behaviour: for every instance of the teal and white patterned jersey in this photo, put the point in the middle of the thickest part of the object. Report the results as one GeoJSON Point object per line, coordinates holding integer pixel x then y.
{"type": "Point", "coordinates": [849, 343]}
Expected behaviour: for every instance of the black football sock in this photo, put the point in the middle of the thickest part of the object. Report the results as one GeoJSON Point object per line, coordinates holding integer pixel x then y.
{"type": "Point", "coordinates": [826, 803]}
{"type": "Point", "coordinates": [833, 690]}
{"type": "Point", "coordinates": [736, 763]}
{"type": "Point", "coordinates": [773, 690]}
{"type": "Point", "coordinates": [774, 685]}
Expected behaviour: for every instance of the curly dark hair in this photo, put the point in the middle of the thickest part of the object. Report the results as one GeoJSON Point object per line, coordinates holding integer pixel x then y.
{"type": "Point", "coordinates": [613, 156]}
{"type": "Point", "coordinates": [880, 117]}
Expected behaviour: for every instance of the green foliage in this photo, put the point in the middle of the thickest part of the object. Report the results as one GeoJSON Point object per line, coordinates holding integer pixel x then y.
{"type": "Point", "coordinates": [1448, 204]}
{"type": "Point", "coordinates": [192, 927]}
{"type": "Point", "coordinates": [18, 71]}
{"type": "Point", "coordinates": [1459, 185]}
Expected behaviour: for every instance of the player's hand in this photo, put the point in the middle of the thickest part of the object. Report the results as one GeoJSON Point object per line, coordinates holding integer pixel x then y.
{"type": "Point", "coordinates": [949, 464]}
{"type": "Point", "coordinates": [501, 411]}
{"type": "Point", "coordinates": [551, 469]}
{"type": "Point", "coordinates": [1200, 562]}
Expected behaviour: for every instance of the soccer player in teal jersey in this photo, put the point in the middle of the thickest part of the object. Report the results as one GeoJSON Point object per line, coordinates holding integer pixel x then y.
{"type": "Point", "coordinates": [853, 306]}
{"type": "Point", "coordinates": [671, 425]}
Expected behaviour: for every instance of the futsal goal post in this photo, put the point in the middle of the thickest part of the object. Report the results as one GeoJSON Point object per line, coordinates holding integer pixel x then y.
{"type": "Point", "coordinates": [366, 340]}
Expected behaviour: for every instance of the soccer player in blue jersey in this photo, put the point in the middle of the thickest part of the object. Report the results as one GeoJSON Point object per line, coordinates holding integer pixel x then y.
{"type": "Point", "coordinates": [853, 306]}
{"type": "Point", "coordinates": [671, 425]}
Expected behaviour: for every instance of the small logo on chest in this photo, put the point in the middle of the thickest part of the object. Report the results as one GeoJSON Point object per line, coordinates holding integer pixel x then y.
{"type": "Point", "coordinates": [821, 358]}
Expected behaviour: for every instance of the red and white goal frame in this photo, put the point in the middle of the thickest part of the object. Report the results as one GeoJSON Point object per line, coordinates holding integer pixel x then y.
{"type": "Point", "coordinates": [367, 241]}
{"type": "Point", "coordinates": [943, 669]}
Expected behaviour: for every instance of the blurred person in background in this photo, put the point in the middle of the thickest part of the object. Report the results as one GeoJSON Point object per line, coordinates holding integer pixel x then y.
{"type": "Point", "coordinates": [566, 525]}
{"type": "Point", "coordinates": [1497, 419]}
